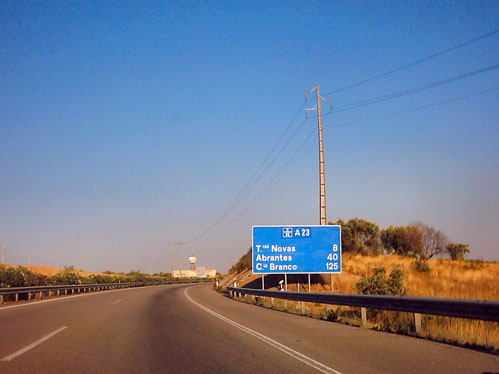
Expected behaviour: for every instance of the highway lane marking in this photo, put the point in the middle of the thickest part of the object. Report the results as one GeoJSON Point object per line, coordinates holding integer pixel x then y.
{"type": "Point", "coordinates": [80, 295]}
{"type": "Point", "coordinates": [33, 345]}
{"type": "Point", "coordinates": [291, 352]}
{"type": "Point", "coordinates": [117, 301]}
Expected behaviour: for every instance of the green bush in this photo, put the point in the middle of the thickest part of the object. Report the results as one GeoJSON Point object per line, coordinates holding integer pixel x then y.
{"type": "Point", "coordinates": [379, 284]}
{"type": "Point", "coordinates": [421, 266]}
{"type": "Point", "coordinates": [66, 276]}
{"type": "Point", "coordinates": [475, 264]}
{"type": "Point", "coordinates": [20, 277]}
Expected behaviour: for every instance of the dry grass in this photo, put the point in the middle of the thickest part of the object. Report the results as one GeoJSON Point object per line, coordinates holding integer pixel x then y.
{"type": "Point", "coordinates": [452, 279]}
{"type": "Point", "coordinates": [446, 279]}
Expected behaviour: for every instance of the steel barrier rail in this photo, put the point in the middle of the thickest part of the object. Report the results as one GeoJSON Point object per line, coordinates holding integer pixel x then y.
{"type": "Point", "coordinates": [485, 310]}
{"type": "Point", "coordinates": [95, 286]}
{"type": "Point", "coordinates": [12, 290]}
{"type": "Point", "coordinates": [40, 289]}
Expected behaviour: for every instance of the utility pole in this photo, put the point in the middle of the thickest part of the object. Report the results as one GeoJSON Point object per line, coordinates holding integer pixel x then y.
{"type": "Point", "coordinates": [172, 246]}
{"type": "Point", "coordinates": [322, 172]}
{"type": "Point", "coordinates": [3, 254]}
{"type": "Point", "coordinates": [321, 162]}
{"type": "Point", "coordinates": [177, 245]}
{"type": "Point", "coordinates": [180, 258]}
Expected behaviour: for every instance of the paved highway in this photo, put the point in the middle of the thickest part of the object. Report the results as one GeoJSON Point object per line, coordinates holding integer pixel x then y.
{"type": "Point", "coordinates": [192, 329]}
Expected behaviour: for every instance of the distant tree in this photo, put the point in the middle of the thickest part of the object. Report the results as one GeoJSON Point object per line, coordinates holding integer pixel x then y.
{"type": "Point", "coordinates": [66, 276]}
{"type": "Point", "coordinates": [434, 242]}
{"type": "Point", "coordinates": [402, 240]}
{"type": "Point", "coordinates": [457, 251]}
{"type": "Point", "coordinates": [98, 278]}
{"type": "Point", "coordinates": [137, 276]}
{"type": "Point", "coordinates": [359, 236]}
{"type": "Point", "coordinates": [243, 264]}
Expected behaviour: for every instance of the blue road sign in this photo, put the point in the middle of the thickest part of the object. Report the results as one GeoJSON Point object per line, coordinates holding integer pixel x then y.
{"type": "Point", "coordinates": [296, 249]}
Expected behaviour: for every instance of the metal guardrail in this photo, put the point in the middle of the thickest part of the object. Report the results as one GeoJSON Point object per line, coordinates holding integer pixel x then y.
{"type": "Point", "coordinates": [39, 290]}
{"type": "Point", "coordinates": [49, 290]}
{"type": "Point", "coordinates": [486, 310]}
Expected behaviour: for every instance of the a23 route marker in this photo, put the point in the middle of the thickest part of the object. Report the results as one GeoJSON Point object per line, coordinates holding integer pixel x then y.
{"type": "Point", "coordinates": [296, 249]}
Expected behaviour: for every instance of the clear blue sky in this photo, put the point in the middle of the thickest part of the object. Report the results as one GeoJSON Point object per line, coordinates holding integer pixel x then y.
{"type": "Point", "coordinates": [128, 125]}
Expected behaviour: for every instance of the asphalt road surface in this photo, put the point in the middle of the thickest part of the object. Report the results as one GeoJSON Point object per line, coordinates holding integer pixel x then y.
{"type": "Point", "coordinates": [193, 329]}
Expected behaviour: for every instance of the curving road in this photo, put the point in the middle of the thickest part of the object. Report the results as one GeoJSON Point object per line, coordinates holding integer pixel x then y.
{"type": "Point", "coordinates": [192, 329]}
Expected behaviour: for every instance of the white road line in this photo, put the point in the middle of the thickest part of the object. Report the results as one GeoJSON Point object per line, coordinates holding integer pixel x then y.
{"type": "Point", "coordinates": [291, 352]}
{"type": "Point", "coordinates": [33, 345]}
{"type": "Point", "coordinates": [80, 295]}
{"type": "Point", "coordinates": [117, 301]}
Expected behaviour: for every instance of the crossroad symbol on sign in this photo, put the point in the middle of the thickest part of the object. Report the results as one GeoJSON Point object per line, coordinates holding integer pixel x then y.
{"type": "Point", "coordinates": [287, 232]}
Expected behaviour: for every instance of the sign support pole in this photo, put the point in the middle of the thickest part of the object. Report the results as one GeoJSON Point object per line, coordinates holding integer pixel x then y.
{"type": "Point", "coordinates": [309, 282]}
{"type": "Point", "coordinates": [286, 289]}
{"type": "Point", "coordinates": [263, 281]}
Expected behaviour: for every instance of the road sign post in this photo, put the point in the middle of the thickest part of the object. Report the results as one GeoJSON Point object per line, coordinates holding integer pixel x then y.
{"type": "Point", "coordinates": [296, 249]}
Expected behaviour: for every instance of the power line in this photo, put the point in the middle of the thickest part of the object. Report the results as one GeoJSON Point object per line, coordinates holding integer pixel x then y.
{"type": "Point", "coordinates": [256, 177]}
{"type": "Point", "coordinates": [261, 194]}
{"type": "Point", "coordinates": [294, 156]}
{"type": "Point", "coordinates": [301, 147]}
{"type": "Point", "coordinates": [410, 91]}
{"type": "Point", "coordinates": [403, 67]}
{"type": "Point", "coordinates": [253, 180]}
{"type": "Point", "coordinates": [283, 168]}
{"type": "Point", "coordinates": [413, 109]}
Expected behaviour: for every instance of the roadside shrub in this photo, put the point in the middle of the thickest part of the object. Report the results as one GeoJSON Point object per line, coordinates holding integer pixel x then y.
{"type": "Point", "coordinates": [332, 315]}
{"type": "Point", "coordinates": [421, 266]}
{"type": "Point", "coordinates": [66, 276]}
{"type": "Point", "coordinates": [20, 277]}
{"type": "Point", "coordinates": [379, 284]}
{"type": "Point", "coordinates": [474, 264]}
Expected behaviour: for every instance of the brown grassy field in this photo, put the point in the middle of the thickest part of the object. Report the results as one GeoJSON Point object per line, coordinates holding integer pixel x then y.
{"type": "Point", "coordinates": [446, 279]}
{"type": "Point", "coordinates": [50, 270]}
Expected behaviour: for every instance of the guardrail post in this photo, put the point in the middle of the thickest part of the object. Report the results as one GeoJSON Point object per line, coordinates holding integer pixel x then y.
{"type": "Point", "coordinates": [41, 294]}
{"type": "Point", "coordinates": [363, 313]}
{"type": "Point", "coordinates": [272, 302]}
{"type": "Point", "coordinates": [1, 299]}
{"type": "Point", "coordinates": [58, 292]}
{"type": "Point", "coordinates": [50, 294]}
{"type": "Point", "coordinates": [17, 297]}
{"type": "Point", "coordinates": [417, 322]}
